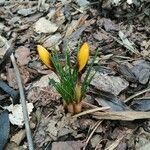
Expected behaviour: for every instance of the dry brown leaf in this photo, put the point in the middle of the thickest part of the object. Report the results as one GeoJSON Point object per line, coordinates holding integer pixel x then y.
{"type": "Point", "coordinates": [11, 78]}
{"type": "Point", "coordinates": [69, 145]}
{"type": "Point", "coordinates": [45, 26]}
{"type": "Point", "coordinates": [76, 24]}
{"type": "Point", "coordinates": [23, 55]}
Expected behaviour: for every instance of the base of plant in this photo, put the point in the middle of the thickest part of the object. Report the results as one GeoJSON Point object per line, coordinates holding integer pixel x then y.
{"type": "Point", "coordinates": [74, 108]}
{"type": "Point", "coordinates": [70, 108]}
{"type": "Point", "coordinates": [77, 107]}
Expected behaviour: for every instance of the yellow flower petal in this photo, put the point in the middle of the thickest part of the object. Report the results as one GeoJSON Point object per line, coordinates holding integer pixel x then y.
{"type": "Point", "coordinates": [83, 56]}
{"type": "Point", "coordinates": [44, 55]}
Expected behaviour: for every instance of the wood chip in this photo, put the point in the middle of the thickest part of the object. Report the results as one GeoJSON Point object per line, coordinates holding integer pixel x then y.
{"type": "Point", "coordinates": [122, 115]}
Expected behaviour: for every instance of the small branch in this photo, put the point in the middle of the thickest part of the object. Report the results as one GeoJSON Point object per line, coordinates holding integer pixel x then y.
{"type": "Point", "coordinates": [91, 111]}
{"type": "Point", "coordinates": [121, 115]}
{"type": "Point", "coordinates": [23, 103]}
{"type": "Point", "coordinates": [91, 134]}
{"type": "Point", "coordinates": [137, 94]}
{"type": "Point", "coordinates": [115, 143]}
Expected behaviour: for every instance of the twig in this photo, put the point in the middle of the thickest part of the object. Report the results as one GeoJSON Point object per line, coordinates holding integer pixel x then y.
{"type": "Point", "coordinates": [115, 143]}
{"type": "Point", "coordinates": [91, 134]}
{"type": "Point", "coordinates": [23, 103]}
{"type": "Point", "coordinates": [97, 146]}
{"type": "Point", "coordinates": [142, 98]}
{"type": "Point", "coordinates": [137, 94]}
{"type": "Point", "coordinates": [22, 98]}
{"type": "Point", "coordinates": [90, 111]}
{"type": "Point", "coordinates": [121, 115]}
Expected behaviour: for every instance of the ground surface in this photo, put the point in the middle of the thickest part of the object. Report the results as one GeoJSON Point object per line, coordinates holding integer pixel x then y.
{"type": "Point", "coordinates": [121, 33]}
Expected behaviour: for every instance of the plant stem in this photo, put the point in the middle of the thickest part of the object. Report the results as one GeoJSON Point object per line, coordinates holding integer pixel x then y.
{"type": "Point", "coordinates": [70, 108]}
{"type": "Point", "coordinates": [77, 107]}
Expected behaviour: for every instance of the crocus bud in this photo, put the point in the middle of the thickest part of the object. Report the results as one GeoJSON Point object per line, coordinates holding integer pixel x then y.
{"type": "Point", "coordinates": [83, 56]}
{"type": "Point", "coordinates": [45, 56]}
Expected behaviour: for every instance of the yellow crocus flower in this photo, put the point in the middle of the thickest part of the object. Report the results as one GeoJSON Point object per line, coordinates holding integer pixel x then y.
{"type": "Point", "coordinates": [83, 56]}
{"type": "Point", "coordinates": [45, 56]}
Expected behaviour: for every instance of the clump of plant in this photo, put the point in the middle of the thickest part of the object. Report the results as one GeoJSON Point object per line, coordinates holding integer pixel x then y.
{"type": "Point", "coordinates": [70, 86]}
